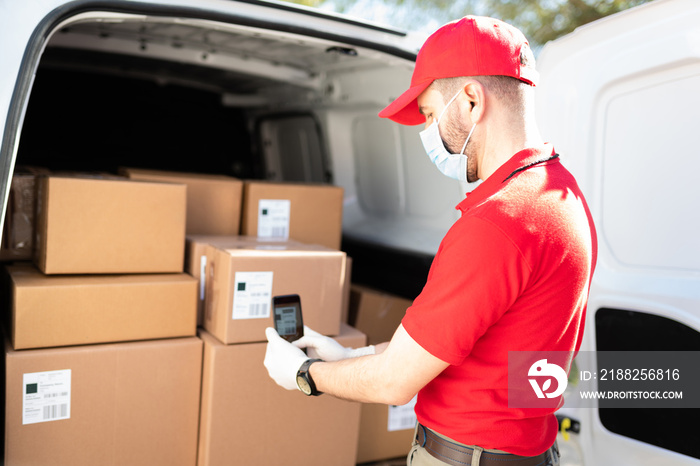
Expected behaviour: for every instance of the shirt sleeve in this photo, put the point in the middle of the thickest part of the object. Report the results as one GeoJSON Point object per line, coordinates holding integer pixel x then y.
{"type": "Point", "coordinates": [476, 276]}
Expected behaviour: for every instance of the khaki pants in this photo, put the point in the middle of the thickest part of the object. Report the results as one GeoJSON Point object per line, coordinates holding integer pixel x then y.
{"type": "Point", "coordinates": [419, 456]}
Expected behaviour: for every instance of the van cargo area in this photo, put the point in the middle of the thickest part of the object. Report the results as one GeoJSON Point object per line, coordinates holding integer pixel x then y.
{"type": "Point", "coordinates": [116, 90]}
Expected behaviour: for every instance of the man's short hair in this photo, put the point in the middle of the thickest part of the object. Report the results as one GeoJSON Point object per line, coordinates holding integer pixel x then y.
{"type": "Point", "coordinates": [510, 91]}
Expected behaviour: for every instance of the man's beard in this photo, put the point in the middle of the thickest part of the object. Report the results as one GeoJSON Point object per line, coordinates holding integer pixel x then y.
{"type": "Point", "coordinates": [456, 132]}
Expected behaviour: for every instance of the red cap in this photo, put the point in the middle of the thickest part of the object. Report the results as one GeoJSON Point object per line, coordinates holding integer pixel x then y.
{"type": "Point", "coordinates": [471, 46]}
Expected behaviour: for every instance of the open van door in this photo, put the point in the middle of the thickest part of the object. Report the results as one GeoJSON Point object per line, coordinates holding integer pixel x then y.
{"type": "Point", "coordinates": [620, 100]}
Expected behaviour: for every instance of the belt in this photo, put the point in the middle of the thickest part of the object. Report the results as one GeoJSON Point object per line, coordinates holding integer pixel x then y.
{"type": "Point", "coordinates": [456, 454]}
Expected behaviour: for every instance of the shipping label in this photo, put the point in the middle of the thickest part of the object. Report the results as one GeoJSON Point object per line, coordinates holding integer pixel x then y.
{"type": "Point", "coordinates": [252, 295]}
{"type": "Point", "coordinates": [402, 417]}
{"type": "Point", "coordinates": [46, 396]}
{"type": "Point", "coordinates": [273, 218]}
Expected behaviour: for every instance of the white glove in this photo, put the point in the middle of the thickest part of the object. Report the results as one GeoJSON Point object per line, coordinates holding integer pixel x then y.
{"type": "Point", "coordinates": [282, 360]}
{"type": "Point", "coordinates": [326, 348]}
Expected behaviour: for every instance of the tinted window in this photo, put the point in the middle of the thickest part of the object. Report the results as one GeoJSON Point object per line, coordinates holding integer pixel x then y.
{"type": "Point", "coordinates": [624, 330]}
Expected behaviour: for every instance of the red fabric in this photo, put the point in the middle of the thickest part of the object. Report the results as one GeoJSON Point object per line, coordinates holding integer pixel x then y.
{"type": "Point", "coordinates": [512, 274]}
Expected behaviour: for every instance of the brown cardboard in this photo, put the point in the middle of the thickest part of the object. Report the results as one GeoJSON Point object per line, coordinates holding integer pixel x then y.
{"type": "Point", "coordinates": [83, 309]}
{"type": "Point", "coordinates": [196, 259]}
{"type": "Point", "coordinates": [91, 226]}
{"type": "Point", "coordinates": [316, 211]}
{"type": "Point", "coordinates": [213, 201]}
{"type": "Point", "coordinates": [376, 442]}
{"type": "Point", "coordinates": [347, 286]}
{"type": "Point", "coordinates": [133, 404]}
{"type": "Point", "coordinates": [196, 263]}
{"type": "Point", "coordinates": [378, 315]}
{"type": "Point", "coordinates": [315, 273]}
{"type": "Point", "coordinates": [18, 231]}
{"type": "Point", "coordinates": [247, 419]}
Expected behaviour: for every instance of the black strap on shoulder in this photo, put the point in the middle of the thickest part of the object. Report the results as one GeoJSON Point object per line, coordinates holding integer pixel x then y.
{"type": "Point", "coordinates": [547, 159]}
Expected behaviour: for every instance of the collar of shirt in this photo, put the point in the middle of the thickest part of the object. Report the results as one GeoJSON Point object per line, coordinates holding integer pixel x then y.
{"type": "Point", "coordinates": [496, 181]}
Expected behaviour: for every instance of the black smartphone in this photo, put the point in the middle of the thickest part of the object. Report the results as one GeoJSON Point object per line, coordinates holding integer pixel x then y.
{"type": "Point", "coordinates": [288, 321]}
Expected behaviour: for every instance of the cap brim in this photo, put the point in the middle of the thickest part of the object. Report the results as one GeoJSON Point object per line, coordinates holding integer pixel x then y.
{"type": "Point", "coordinates": [404, 110]}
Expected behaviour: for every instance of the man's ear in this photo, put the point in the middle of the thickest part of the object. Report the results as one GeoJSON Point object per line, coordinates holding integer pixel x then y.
{"type": "Point", "coordinates": [474, 106]}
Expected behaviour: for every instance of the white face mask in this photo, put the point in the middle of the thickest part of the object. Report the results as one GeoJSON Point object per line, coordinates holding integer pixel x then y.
{"type": "Point", "coordinates": [452, 165]}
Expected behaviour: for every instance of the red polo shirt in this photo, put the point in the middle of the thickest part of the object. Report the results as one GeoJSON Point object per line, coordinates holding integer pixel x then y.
{"type": "Point", "coordinates": [512, 274]}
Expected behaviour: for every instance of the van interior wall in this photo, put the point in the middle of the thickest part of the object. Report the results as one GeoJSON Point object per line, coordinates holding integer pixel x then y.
{"type": "Point", "coordinates": [84, 121]}
{"type": "Point", "coordinates": [89, 121]}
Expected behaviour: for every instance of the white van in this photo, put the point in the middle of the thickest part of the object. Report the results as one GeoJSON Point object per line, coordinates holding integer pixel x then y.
{"type": "Point", "coordinates": [259, 89]}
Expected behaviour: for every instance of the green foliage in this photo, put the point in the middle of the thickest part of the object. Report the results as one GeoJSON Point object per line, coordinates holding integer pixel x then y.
{"type": "Point", "coordinates": [540, 20]}
{"type": "Point", "coordinates": [545, 20]}
{"type": "Point", "coordinates": [312, 3]}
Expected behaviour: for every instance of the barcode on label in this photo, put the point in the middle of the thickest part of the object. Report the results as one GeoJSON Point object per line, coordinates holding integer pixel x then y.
{"type": "Point", "coordinates": [257, 310]}
{"type": "Point", "coordinates": [404, 422]}
{"type": "Point", "coordinates": [55, 411]}
{"type": "Point", "coordinates": [402, 417]}
{"type": "Point", "coordinates": [278, 232]}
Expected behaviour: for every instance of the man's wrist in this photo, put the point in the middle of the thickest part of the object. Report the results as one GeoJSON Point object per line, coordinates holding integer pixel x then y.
{"type": "Point", "coordinates": [305, 383]}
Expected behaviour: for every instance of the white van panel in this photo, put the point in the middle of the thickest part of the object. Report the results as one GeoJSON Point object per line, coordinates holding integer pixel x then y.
{"type": "Point", "coordinates": [619, 100]}
{"type": "Point", "coordinates": [394, 195]}
{"type": "Point", "coordinates": [649, 170]}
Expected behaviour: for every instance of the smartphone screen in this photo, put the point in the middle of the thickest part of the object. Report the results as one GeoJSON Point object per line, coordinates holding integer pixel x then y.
{"type": "Point", "coordinates": [287, 314]}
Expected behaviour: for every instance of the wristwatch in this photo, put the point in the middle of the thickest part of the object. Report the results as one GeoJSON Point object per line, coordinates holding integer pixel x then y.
{"type": "Point", "coordinates": [304, 381]}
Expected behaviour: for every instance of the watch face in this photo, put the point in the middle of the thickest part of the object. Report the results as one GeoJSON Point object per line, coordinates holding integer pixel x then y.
{"type": "Point", "coordinates": [303, 385]}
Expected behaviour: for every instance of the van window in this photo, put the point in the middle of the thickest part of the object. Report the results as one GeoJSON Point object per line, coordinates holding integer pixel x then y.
{"type": "Point", "coordinates": [379, 170]}
{"type": "Point", "coordinates": [291, 147]}
{"type": "Point", "coordinates": [625, 330]}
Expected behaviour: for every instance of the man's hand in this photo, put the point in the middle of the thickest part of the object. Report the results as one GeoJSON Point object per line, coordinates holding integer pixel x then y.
{"type": "Point", "coordinates": [282, 360]}
{"type": "Point", "coordinates": [326, 348]}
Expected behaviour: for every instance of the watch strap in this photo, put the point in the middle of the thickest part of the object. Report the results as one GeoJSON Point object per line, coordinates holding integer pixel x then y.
{"type": "Point", "coordinates": [304, 373]}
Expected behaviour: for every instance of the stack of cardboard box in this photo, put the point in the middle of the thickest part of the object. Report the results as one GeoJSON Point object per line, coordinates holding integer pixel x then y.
{"type": "Point", "coordinates": [103, 359]}
{"type": "Point", "coordinates": [101, 364]}
{"type": "Point", "coordinates": [289, 245]}
{"type": "Point", "coordinates": [245, 417]}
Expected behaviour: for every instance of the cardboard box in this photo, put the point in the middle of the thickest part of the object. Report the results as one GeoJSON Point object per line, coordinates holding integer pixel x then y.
{"type": "Point", "coordinates": [376, 313]}
{"type": "Point", "coordinates": [133, 404]}
{"type": "Point", "coordinates": [91, 226]}
{"type": "Point", "coordinates": [213, 201]}
{"type": "Point", "coordinates": [310, 213]}
{"type": "Point", "coordinates": [385, 431]}
{"type": "Point", "coordinates": [83, 309]}
{"type": "Point", "coordinates": [247, 419]}
{"type": "Point", "coordinates": [243, 278]}
{"type": "Point", "coordinates": [347, 286]}
{"type": "Point", "coordinates": [196, 263]}
{"type": "Point", "coordinates": [18, 231]}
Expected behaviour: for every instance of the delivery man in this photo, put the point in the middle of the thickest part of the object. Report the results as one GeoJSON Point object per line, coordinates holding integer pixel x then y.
{"type": "Point", "coordinates": [511, 275]}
